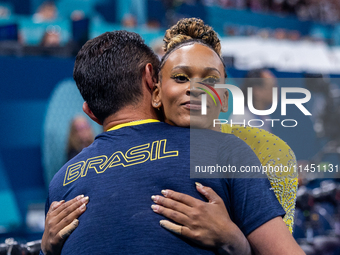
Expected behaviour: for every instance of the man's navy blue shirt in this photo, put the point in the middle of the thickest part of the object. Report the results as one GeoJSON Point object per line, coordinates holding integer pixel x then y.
{"type": "Point", "coordinates": [123, 168]}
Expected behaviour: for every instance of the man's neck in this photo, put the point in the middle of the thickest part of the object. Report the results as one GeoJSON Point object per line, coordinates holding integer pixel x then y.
{"type": "Point", "coordinates": [128, 114]}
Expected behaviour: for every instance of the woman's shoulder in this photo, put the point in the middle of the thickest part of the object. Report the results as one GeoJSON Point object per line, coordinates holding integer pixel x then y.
{"type": "Point", "coordinates": [269, 148]}
{"type": "Point", "coordinates": [260, 140]}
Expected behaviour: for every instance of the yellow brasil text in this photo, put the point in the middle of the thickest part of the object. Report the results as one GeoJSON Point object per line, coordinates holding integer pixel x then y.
{"type": "Point", "coordinates": [135, 155]}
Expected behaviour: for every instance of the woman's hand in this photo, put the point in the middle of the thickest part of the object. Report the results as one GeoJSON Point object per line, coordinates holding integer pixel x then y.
{"type": "Point", "coordinates": [206, 223]}
{"type": "Point", "coordinates": [60, 222]}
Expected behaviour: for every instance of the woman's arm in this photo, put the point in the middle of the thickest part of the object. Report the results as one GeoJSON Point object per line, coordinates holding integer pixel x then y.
{"type": "Point", "coordinates": [206, 223]}
{"type": "Point", "coordinates": [61, 220]}
{"type": "Point", "coordinates": [271, 150]}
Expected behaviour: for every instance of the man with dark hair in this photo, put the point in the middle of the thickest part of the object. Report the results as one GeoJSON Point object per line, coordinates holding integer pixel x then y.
{"type": "Point", "coordinates": [108, 72]}
{"type": "Point", "coordinates": [262, 81]}
{"type": "Point", "coordinates": [136, 157]}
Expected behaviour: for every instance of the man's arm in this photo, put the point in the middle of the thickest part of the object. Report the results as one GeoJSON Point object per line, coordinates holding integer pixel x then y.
{"type": "Point", "coordinates": [208, 224]}
{"type": "Point", "coordinates": [273, 237]}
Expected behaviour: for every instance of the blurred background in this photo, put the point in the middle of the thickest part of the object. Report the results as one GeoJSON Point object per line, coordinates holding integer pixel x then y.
{"type": "Point", "coordinates": [297, 41]}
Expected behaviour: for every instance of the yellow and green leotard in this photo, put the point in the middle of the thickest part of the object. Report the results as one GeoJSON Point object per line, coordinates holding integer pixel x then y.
{"type": "Point", "coordinates": [273, 151]}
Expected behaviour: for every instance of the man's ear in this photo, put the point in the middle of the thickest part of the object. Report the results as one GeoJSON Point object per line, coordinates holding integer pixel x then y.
{"type": "Point", "coordinates": [224, 100]}
{"type": "Point", "coordinates": [89, 113]}
{"type": "Point", "coordinates": [150, 76]}
{"type": "Point", "coordinates": [156, 97]}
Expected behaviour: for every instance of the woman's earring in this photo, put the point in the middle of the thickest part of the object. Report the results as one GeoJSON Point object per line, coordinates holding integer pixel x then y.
{"type": "Point", "coordinates": [156, 105]}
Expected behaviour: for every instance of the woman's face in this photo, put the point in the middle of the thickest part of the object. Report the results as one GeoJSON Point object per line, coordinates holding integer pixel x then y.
{"type": "Point", "coordinates": [180, 94]}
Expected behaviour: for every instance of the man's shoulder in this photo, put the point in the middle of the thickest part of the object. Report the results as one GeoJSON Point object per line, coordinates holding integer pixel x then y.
{"type": "Point", "coordinates": [166, 127]}
{"type": "Point", "coordinates": [61, 173]}
{"type": "Point", "coordinates": [86, 153]}
{"type": "Point", "coordinates": [224, 142]}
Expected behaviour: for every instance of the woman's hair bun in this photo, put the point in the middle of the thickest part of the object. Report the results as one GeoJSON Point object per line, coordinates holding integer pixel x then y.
{"type": "Point", "coordinates": [191, 29]}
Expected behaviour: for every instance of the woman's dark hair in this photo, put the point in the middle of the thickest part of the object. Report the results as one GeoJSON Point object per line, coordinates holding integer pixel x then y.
{"type": "Point", "coordinates": [108, 71]}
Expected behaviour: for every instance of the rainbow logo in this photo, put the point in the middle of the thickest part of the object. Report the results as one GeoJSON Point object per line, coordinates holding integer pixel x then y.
{"type": "Point", "coordinates": [212, 89]}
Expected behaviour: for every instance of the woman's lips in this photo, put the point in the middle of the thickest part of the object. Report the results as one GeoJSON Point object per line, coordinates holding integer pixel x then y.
{"type": "Point", "coordinates": [194, 105]}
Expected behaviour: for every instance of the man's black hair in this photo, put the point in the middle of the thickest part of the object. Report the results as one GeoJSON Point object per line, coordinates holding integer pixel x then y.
{"type": "Point", "coordinates": [252, 79]}
{"type": "Point", "coordinates": [108, 71]}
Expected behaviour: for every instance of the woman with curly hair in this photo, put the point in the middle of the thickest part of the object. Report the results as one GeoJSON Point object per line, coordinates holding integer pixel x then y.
{"type": "Point", "coordinates": [270, 149]}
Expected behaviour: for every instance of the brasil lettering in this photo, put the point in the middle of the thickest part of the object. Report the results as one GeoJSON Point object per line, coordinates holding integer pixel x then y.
{"type": "Point", "coordinates": [135, 155]}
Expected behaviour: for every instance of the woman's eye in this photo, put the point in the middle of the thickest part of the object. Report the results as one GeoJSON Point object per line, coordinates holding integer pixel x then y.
{"type": "Point", "coordinates": [181, 78]}
{"type": "Point", "coordinates": [211, 80]}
